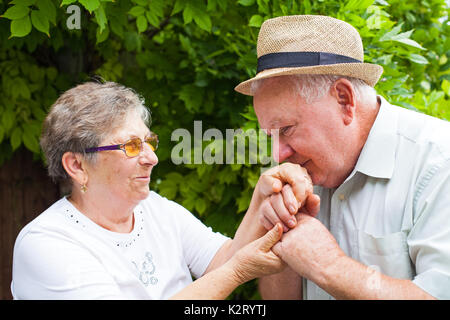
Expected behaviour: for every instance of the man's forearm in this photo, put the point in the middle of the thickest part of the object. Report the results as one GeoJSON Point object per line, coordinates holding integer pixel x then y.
{"type": "Point", "coordinates": [349, 279]}
{"type": "Point", "coordinates": [286, 285]}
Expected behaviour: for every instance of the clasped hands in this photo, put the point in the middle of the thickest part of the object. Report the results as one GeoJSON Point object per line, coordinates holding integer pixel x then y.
{"type": "Point", "coordinates": [284, 195]}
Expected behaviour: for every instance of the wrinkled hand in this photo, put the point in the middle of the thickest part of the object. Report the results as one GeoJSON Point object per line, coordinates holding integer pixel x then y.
{"type": "Point", "coordinates": [285, 189]}
{"type": "Point", "coordinates": [256, 259]}
{"type": "Point", "coordinates": [309, 249]}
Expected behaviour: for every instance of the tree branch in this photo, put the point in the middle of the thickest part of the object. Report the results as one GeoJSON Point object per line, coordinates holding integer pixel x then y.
{"type": "Point", "coordinates": [162, 25]}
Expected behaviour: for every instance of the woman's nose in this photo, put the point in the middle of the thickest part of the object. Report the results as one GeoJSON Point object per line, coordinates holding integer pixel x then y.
{"type": "Point", "coordinates": [148, 156]}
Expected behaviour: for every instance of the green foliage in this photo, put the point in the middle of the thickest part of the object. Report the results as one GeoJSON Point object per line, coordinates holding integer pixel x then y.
{"type": "Point", "coordinates": [185, 57]}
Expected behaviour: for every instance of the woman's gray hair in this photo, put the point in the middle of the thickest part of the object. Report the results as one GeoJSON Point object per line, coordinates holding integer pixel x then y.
{"type": "Point", "coordinates": [82, 117]}
{"type": "Point", "coordinates": [312, 87]}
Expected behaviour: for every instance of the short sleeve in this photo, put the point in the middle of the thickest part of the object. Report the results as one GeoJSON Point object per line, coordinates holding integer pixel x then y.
{"type": "Point", "coordinates": [429, 238]}
{"type": "Point", "coordinates": [199, 242]}
{"type": "Point", "coordinates": [50, 266]}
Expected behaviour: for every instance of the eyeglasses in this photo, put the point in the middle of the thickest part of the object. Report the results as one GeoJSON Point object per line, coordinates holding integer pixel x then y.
{"type": "Point", "coordinates": [132, 147]}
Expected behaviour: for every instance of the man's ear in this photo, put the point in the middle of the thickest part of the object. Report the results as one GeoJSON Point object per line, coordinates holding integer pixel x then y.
{"type": "Point", "coordinates": [345, 96]}
{"type": "Point", "coordinates": [74, 165]}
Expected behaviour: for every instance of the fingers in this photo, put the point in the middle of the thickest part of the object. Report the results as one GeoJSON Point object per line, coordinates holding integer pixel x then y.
{"type": "Point", "coordinates": [266, 223]}
{"type": "Point", "coordinates": [281, 208]}
{"type": "Point", "coordinates": [281, 212]}
{"type": "Point", "coordinates": [269, 185]}
{"type": "Point", "coordinates": [289, 199]}
{"type": "Point", "coordinates": [312, 205]}
{"type": "Point", "coordinates": [271, 238]}
{"type": "Point", "coordinates": [268, 216]}
{"type": "Point", "coordinates": [278, 249]}
{"type": "Point", "coordinates": [294, 175]}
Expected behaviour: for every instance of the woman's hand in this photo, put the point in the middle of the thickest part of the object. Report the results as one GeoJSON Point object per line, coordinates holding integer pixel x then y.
{"type": "Point", "coordinates": [279, 194]}
{"type": "Point", "coordinates": [256, 259]}
{"type": "Point", "coordinates": [282, 207]}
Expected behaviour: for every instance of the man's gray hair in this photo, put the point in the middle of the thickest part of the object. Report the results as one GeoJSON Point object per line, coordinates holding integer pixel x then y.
{"type": "Point", "coordinates": [82, 117]}
{"type": "Point", "coordinates": [312, 87]}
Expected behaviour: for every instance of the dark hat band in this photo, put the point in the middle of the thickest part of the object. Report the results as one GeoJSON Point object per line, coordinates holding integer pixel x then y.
{"type": "Point", "coordinates": [300, 59]}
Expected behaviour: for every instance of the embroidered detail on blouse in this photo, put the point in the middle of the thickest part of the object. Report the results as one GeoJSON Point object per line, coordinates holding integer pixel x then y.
{"type": "Point", "coordinates": [147, 270]}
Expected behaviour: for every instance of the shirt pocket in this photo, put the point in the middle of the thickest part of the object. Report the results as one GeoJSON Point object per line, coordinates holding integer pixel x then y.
{"type": "Point", "coordinates": [387, 254]}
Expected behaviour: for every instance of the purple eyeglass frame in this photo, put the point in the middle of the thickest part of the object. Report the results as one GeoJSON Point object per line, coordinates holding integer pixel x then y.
{"type": "Point", "coordinates": [121, 146]}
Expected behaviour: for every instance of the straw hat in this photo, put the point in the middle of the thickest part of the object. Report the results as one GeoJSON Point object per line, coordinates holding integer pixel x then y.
{"type": "Point", "coordinates": [310, 44]}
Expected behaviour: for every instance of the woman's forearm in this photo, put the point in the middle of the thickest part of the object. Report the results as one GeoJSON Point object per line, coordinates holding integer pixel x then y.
{"type": "Point", "coordinates": [217, 284]}
{"type": "Point", "coordinates": [254, 260]}
{"type": "Point", "coordinates": [249, 230]}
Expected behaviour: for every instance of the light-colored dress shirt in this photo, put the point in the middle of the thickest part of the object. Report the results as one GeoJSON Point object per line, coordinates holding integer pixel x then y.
{"type": "Point", "coordinates": [392, 213]}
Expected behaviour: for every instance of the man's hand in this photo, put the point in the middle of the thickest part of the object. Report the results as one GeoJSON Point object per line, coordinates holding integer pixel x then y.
{"type": "Point", "coordinates": [309, 249]}
{"type": "Point", "coordinates": [312, 252]}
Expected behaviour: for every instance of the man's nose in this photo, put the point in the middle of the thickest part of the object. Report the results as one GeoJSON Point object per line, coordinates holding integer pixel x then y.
{"type": "Point", "coordinates": [282, 151]}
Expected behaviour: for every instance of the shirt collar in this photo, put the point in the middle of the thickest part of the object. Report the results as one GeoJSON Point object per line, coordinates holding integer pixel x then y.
{"type": "Point", "coordinates": [377, 157]}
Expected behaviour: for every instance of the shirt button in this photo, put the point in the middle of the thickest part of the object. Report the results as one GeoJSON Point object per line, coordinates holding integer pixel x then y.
{"type": "Point", "coordinates": [342, 197]}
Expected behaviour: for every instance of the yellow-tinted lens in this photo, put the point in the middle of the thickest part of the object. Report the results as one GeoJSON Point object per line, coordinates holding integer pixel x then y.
{"type": "Point", "coordinates": [152, 141]}
{"type": "Point", "coordinates": [133, 147]}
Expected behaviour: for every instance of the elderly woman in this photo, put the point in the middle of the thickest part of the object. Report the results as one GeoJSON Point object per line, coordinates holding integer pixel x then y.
{"type": "Point", "coordinates": [111, 237]}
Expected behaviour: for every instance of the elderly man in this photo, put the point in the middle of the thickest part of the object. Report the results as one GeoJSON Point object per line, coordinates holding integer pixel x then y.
{"type": "Point", "coordinates": [382, 172]}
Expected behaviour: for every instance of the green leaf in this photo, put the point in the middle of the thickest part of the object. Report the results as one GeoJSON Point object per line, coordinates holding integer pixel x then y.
{"type": "Point", "coordinates": [306, 6]}
{"type": "Point", "coordinates": [243, 202]}
{"type": "Point", "coordinates": [8, 119]}
{"type": "Point", "coordinates": [137, 11]}
{"type": "Point", "coordinates": [100, 17]}
{"type": "Point", "coordinates": [255, 21]}
{"type": "Point", "coordinates": [141, 23]}
{"type": "Point", "coordinates": [179, 5]}
{"type": "Point", "coordinates": [21, 27]}
{"type": "Point", "coordinates": [141, 2]}
{"type": "Point", "coordinates": [51, 72]}
{"type": "Point", "coordinates": [246, 3]}
{"type": "Point", "coordinates": [192, 97]}
{"type": "Point", "coordinates": [446, 87]}
{"type": "Point", "coordinates": [66, 2]}
{"type": "Point", "coordinates": [403, 37]}
{"type": "Point", "coordinates": [410, 42]}
{"type": "Point", "coordinates": [16, 12]}
{"type": "Point", "coordinates": [188, 14]}
{"type": "Point", "coordinates": [157, 7]}
{"type": "Point", "coordinates": [200, 206]}
{"type": "Point", "coordinates": [203, 20]}
{"type": "Point", "coordinates": [23, 2]}
{"type": "Point", "coordinates": [2, 134]}
{"type": "Point", "coordinates": [155, 13]}
{"type": "Point", "coordinates": [102, 35]}
{"type": "Point", "coordinates": [357, 5]}
{"type": "Point", "coordinates": [152, 18]}
{"type": "Point", "coordinates": [417, 58]}
{"type": "Point", "coordinates": [47, 7]}
{"type": "Point", "coordinates": [40, 21]}
{"type": "Point", "coordinates": [189, 203]}
{"type": "Point", "coordinates": [20, 88]}
{"type": "Point", "coordinates": [168, 189]}
{"type": "Point", "coordinates": [90, 5]}
{"type": "Point", "coordinates": [16, 138]}
{"type": "Point", "coordinates": [29, 139]}
{"type": "Point", "coordinates": [388, 35]}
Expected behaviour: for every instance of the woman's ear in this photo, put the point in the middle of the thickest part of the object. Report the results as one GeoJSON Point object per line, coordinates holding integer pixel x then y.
{"type": "Point", "coordinates": [345, 96]}
{"type": "Point", "coordinates": [75, 167]}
